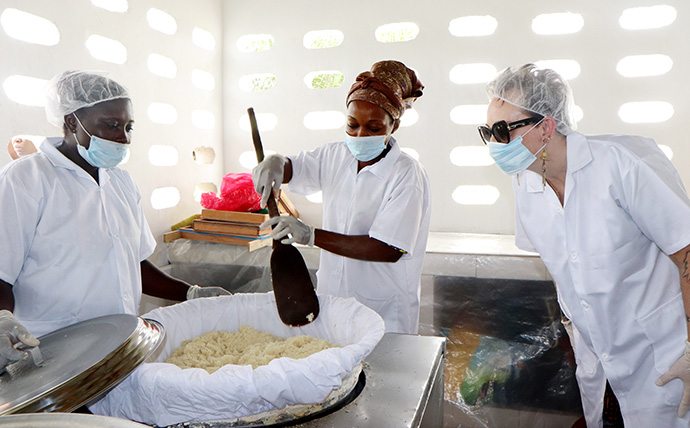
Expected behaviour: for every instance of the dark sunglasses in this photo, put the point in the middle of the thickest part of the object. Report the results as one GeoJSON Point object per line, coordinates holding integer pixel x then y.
{"type": "Point", "coordinates": [501, 129]}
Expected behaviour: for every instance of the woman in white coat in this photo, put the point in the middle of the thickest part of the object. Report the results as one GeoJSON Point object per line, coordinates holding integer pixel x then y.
{"type": "Point", "coordinates": [376, 201]}
{"type": "Point", "coordinates": [74, 237]}
{"type": "Point", "coordinates": [608, 215]}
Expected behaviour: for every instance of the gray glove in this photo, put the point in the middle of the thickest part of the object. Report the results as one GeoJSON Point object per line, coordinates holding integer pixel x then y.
{"type": "Point", "coordinates": [289, 225]}
{"type": "Point", "coordinates": [268, 176]}
{"type": "Point", "coordinates": [12, 332]}
{"type": "Point", "coordinates": [680, 370]}
{"type": "Point", "coordinates": [196, 292]}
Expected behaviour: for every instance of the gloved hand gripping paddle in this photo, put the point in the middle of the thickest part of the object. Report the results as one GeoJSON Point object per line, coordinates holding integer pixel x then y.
{"type": "Point", "coordinates": [294, 292]}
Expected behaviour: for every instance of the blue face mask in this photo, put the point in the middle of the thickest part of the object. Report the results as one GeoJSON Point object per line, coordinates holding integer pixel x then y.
{"type": "Point", "coordinates": [514, 157]}
{"type": "Point", "coordinates": [365, 149]}
{"type": "Point", "coordinates": [101, 153]}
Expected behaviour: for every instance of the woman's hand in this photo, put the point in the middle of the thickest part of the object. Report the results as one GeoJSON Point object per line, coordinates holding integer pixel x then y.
{"type": "Point", "coordinates": [23, 147]}
{"type": "Point", "coordinates": [289, 225]}
{"type": "Point", "coordinates": [11, 332]}
{"type": "Point", "coordinates": [680, 370]}
{"type": "Point", "coordinates": [268, 176]}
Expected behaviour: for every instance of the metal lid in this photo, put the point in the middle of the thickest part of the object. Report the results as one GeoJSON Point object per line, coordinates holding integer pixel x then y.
{"type": "Point", "coordinates": [82, 361]}
{"type": "Point", "coordinates": [65, 420]}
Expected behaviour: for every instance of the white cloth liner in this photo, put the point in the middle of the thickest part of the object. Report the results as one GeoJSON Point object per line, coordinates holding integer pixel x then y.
{"type": "Point", "coordinates": [163, 394]}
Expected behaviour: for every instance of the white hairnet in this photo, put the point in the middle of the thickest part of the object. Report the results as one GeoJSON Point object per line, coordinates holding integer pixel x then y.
{"type": "Point", "coordinates": [541, 91]}
{"type": "Point", "coordinates": [73, 90]}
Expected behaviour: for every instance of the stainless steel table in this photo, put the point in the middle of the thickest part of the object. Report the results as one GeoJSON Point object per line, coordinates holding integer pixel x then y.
{"type": "Point", "coordinates": [404, 387]}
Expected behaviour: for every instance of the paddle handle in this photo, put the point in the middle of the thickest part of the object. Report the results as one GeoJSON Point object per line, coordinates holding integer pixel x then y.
{"type": "Point", "coordinates": [258, 148]}
{"type": "Point", "coordinates": [256, 138]}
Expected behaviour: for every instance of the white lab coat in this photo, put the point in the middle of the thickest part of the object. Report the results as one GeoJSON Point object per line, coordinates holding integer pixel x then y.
{"type": "Point", "coordinates": [389, 201]}
{"type": "Point", "coordinates": [72, 249]}
{"type": "Point", "coordinates": [625, 210]}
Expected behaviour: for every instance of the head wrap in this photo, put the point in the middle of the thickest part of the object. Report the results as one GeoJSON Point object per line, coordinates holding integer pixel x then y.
{"type": "Point", "coordinates": [537, 90]}
{"type": "Point", "coordinates": [390, 85]}
{"type": "Point", "coordinates": [73, 90]}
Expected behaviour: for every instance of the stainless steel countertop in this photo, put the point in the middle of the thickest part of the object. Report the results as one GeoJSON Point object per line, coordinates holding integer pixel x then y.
{"type": "Point", "coordinates": [400, 373]}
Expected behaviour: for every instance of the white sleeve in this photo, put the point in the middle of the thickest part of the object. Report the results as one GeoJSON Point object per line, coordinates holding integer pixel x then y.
{"type": "Point", "coordinates": [397, 223]}
{"type": "Point", "coordinates": [148, 242]}
{"type": "Point", "coordinates": [521, 239]}
{"type": "Point", "coordinates": [20, 214]}
{"type": "Point", "coordinates": [657, 202]}
{"type": "Point", "coordinates": [306, 172]}
{"type": "Point", "coordinates": [399, 218]}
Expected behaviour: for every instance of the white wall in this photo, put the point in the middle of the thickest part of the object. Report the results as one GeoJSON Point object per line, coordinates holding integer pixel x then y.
{"type": "Point", "coordinates": [599, 89]}
{"type": "Point", "coordinates": [76, 21]}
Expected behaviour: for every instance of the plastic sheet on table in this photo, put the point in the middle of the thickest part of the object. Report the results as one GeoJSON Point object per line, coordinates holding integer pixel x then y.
{"type": "Point", "coordinates": [229, 266]}
{"type": "Point", "coordinates": [508, 357]}
{"type": "Point", "coordinates": [221, 265]}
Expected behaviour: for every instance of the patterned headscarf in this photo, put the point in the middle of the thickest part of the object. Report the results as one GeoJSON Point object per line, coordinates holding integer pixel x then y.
{"type": "Point", "coordinates": [390, 85]}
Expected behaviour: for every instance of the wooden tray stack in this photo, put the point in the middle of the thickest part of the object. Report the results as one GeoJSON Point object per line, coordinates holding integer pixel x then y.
{"type": "Point", "coordinates": [231, 227]}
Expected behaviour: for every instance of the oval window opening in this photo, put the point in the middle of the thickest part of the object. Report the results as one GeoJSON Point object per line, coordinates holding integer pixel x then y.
{"type": "Point", "coordinates": [204, 188]}
{"type": "Point", "coordinates": [549, 24]}
{"type": "Point", "coordinates": [29, 91]}
{"type": "Point", "coordinates": [248, 159]}
{"type": "Point", "coordinates": [29, 28]}
{"type": "Point", "coordinates": [203, 80]}
{"type": "Point", "coordinates": [161, 113]}
{"type": "Point", "coordinates": [644, 65]}
{"type": "Point", "coordinates": [646, 112]}
{"type": "Point", "coordinates": [161, 21]}
{"type": "Point", "coordinates": [162, 66]}
{"type": "Point", "coordinates": [255, 43]}
{"type": "Point", "coordinates": [471, 114]}
{"type": "Point", "coordinates": [471, 156]}
{"type": "Point", "coordinates": [257, 82]}
{"type": "Point", "coordinates": [324, 79]}
{"type": "Point", "coordinates": [203, 39]}
{"type": "Point", "coordinates": [645, 18]}
{"type": "Point", "coordinates": [397, 32]}
{"type": "Point", "coordinates": [165, 197]}
{"type": "Point", "coordinates": [106, 49]}
{"type": "Point", "coordinates": [476, 195]}
{"type": "Point", "coordinates": [409, 118]}
{"type": "Point", "coordinates": [323, 39]}
{"type": "Point", "coordinates": [473, 26]}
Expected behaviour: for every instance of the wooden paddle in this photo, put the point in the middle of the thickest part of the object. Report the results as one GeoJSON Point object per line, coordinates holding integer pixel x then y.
{"type": "Point", "coordinates": [294, 292]}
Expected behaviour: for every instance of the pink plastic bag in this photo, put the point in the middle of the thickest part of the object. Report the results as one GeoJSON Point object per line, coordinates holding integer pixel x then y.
{"type": "Point", "coordinates": [236, 194]}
